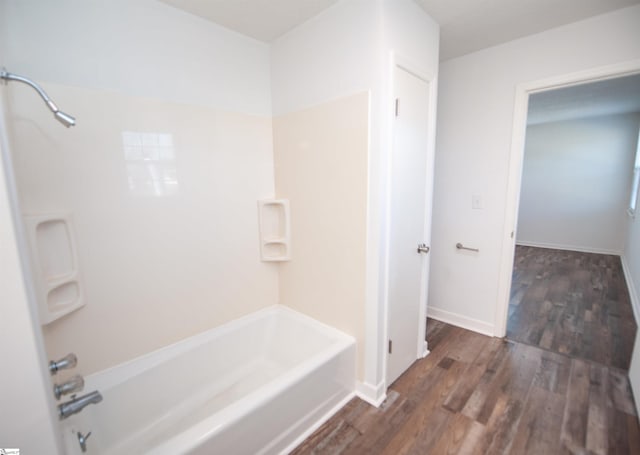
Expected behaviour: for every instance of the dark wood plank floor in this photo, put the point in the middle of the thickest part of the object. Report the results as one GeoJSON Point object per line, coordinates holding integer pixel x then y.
{"type": "Point", "coordinates": [480, 395]}
{"type": "Point", "coordinates": [572, 303]}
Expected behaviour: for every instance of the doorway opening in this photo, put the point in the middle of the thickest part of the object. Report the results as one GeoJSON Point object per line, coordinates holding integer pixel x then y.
{"type": "Point", "coordinates": [573, 150]}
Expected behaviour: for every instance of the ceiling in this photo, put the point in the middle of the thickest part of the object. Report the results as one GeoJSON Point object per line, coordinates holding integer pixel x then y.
{"type": "Point", "coordinates": [606, 97]}
{"type": "Point", "coordinates": [264, 20]}
{"type": "Point", "coordinates": [470, 25]}
{"type": "Point", "coordinates": [465, 25]}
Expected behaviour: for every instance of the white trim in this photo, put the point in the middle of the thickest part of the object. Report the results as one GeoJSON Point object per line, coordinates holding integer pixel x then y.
{"type": "Point", "coordinates": [458, 320]}
{"type": "Point", "coordinates": [579, 249]}
{"type": "Point", "coordinates": [633, 293]}
{"type": "Point", "coordinates": [373, 337]}
{"type": "Point", "coordinates": [374, 395]}
{"type": "Point", "coordinates": [309, 431]}
{"type": "Point", "coordinates": [425, 348]}
{"type": "Point", "coordinates": [516, 156]}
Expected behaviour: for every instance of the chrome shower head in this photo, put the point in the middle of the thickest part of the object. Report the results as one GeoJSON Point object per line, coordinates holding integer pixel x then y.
{"type": "Point", "coordinates": [66, 119]}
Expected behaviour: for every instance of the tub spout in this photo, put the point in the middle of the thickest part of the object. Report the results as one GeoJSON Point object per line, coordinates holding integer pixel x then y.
{"type": "Point", "coordinates": [78, 404]}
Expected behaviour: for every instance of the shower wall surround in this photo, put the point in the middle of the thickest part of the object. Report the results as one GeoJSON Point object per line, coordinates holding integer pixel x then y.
{"type": "Point", "coordinates": [171, 151]}
{"type": "Point", "coordinates": [167, 246]}
{"type": "Point", "coordinates": [320, 158]}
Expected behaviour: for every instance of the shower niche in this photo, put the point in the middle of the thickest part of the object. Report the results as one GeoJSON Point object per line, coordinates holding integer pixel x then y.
{"type": "Point", "coordinates": [54, 262]}
{"type": "Point", "coordinates": [275, 230]}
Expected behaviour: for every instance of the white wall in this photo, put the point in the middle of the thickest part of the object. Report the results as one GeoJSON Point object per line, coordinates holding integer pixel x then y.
{"type": "Point", "coordinates": [330, 56]}
{"type": "Point", "coordinates": [575, 183]}
{"type": "Point", "coordinates": [475, 120]}
{"type": "Point", "coordinates": [25, 396]}
{"type": "Point", "coordinates": [141, 48]}
{"type": "Point", "coordinates": [345, 50]}
{"type": "Point", "coordinates": [156, 268]}
{"type": "Point", "coordinates": [631, 264]}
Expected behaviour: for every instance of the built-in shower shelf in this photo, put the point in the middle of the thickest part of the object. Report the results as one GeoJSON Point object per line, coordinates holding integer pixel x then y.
{"type": "Point", "coordinates": [275, 230]}
{"type": "Point", "coordinates": [54, 261]}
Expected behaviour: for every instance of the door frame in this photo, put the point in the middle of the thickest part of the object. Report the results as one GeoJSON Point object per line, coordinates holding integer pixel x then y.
{"type": "Point", "coordinates": [516, 158]}
{"type": "Point", "coordinates": [431, 78]}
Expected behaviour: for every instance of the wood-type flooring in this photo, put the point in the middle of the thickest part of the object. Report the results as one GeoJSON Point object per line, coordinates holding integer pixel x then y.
{"type": "Point", "coordinates": [572, 303]}
{"type": "Point", "coordinates": [480, 395]}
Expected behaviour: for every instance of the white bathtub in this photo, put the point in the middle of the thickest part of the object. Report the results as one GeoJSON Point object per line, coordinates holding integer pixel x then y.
{"type": "Point", "coordinates": [257, 385]}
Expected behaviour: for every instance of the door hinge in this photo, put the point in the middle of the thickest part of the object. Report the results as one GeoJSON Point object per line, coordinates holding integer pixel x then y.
{"type": "Point", "coordinates": [390, 346]}
{"type": "Point", "coordinates": [397, 102]}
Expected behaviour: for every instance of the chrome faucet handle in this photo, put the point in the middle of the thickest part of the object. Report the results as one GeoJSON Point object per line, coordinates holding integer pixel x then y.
{"type": "Point", "coordinates": [82, 440]}
{"type": "Point", "coordinates": [68, 361]}
{"type": "Point", "coordinates": [74, 384]}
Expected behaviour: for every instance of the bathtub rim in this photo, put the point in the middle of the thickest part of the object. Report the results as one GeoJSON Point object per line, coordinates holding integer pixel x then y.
{"type": "Point", "coordinates": [116, 374]}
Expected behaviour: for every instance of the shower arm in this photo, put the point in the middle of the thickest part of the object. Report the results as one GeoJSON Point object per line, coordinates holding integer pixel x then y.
{"type": "Point", "coordinates": [66, 119]}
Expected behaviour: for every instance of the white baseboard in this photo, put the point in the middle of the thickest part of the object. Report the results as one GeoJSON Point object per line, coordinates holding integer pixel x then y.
{"type": "Point", "coordinates": [461, 321]}
{"type": "Point", "coordinates": [579, 249]}
{"type": "Point", "coordinates": [374, 395]}
{"type": "Point", "coordinates": [633, 293]}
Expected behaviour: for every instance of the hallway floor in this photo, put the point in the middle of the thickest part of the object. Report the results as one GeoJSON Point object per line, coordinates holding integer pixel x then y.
{"type": "Point", "coordinates": [572, 303]}
{"type": "Point", "coordinates": [480, 395]}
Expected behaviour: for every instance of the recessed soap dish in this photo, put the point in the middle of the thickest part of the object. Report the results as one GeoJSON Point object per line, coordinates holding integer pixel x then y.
{"type": "Point", "coordinates": [54, 261]}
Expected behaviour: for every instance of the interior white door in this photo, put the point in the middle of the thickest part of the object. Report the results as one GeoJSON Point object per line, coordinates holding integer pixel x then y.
{"type": "Point", "coordinates": [409, 226]}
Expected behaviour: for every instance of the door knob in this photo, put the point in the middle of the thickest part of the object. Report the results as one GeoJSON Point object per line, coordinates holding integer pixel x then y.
{"type": "Point", "coordinates": [423, 248]}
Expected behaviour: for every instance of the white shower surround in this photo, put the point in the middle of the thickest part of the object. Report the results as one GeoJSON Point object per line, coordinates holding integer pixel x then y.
{"type": "Point", "coordinates": [257, 385]}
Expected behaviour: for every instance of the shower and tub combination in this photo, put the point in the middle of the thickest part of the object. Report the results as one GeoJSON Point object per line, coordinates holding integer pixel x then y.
{"type": "Point", "coordinates": [256, 385]}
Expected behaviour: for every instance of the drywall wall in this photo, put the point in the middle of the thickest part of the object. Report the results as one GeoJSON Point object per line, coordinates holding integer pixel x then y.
{"type": "Point", "coordinates": [631, 264]}
{"type": "Point", "coordinates": [25, 396]}
{"type": "Point", "coordinates": [575, 183]}
{"type": "Point", "coordinates": [320, 157]}
{"type": "Point", "coordinates": [140, 48]}
{"type": "Point", "coordinates": [161, 173]}
{"type": "Point", "coordinates": [350, 48]}
{"type": "Point", "coordinates": [475, 120]}
{"type": "Point", "coordinates": [330, 56]}
{"type": "Point", "coordinates": [631, 261]}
